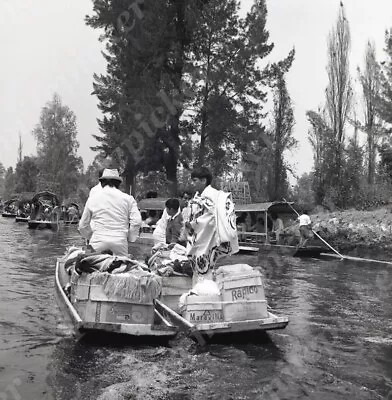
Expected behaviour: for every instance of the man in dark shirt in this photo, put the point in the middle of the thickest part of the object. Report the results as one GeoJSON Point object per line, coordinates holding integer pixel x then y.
{"type": "Point", "coordinates": [175, 222]}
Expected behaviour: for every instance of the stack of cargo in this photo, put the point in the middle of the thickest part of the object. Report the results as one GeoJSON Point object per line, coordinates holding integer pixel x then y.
{"type": "Point", "coordinates": [241, 297]}
{"type": "Point", "coordinates": [95, 303]}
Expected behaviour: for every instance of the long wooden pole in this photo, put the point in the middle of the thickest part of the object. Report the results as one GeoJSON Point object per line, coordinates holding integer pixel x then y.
{"type": "Point", "coordinates": [340, 255]}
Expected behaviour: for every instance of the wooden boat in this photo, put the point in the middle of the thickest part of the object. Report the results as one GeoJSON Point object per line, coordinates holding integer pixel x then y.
{"type": "Point", "coordinates": [39, 219]}
{"type": "Point", "coordinates": [261, 241]}
{"type": "Point", "coordinates": [10, 208]}
{"type": "Point", "coordinates": [72, 222]}
{"type": "Point", "coordinates": [216, 330]}
{"type": "Point", "coordinates": [173, 287]}
{"type": "Point", "coordinates": [6, 214]}
{"type": "Point", "coordinates": [290, 251]}
{"type": "Point", "coordinates": [42, 224]}
{"type": "Point", "coordinates": [21, 219]}
{"type": "Point", "coordinates": [97, 322]}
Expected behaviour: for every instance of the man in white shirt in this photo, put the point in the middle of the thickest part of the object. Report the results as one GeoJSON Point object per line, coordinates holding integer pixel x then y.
{"type": "Point", "coordinates": [305, 228]}
{"type": "Point", "coordinates": [115, 216]}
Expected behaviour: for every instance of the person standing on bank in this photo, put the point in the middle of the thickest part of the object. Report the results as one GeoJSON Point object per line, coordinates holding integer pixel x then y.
{"type": "Point", "coordinates": [212, 231]}
{"type": "Point", "coordinates": [113, 215]}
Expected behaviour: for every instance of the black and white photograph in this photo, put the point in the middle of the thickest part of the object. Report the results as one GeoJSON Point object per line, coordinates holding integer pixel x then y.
{"type": "Point", "coordinates": [196, 200]}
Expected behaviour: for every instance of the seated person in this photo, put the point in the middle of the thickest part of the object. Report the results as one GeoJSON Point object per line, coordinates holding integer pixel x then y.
{"type": "Point", "coordinates": [152, 218]}
{"type": "Point", "coordinates": [241, 227]}
{"type": "Point", "coordinates": [175, 223]}
{"type": "Point", "coordinates": [73, 213]}
{"type": "Point", "coordinates": [258, 226]}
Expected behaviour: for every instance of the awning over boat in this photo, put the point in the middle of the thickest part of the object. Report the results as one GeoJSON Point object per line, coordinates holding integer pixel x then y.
{"type": "Point", "coordinates": [157, 203]}
{"type": "Point", "coordinates": [46, 196]}
{"type": "Point", "coordinates": [278, 207]}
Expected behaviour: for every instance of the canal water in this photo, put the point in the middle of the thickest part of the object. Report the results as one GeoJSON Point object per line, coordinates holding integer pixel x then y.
{"type": "Point", "coordinates": [338, 344]}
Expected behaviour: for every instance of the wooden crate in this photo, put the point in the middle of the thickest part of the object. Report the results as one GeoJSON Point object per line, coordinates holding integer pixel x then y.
{"type": "Point", "coordinates": [244, 310]}
{"type": "Point", "coordinates": [94, 305]}
{"type": "Point", "coordinates": [242, 287]}
{"type": "Point", "coordinates": [173, 288]}
{"type": "Point", "coordinates": [203, 309]}
{"type": "Point", "coordinates": [115, 312]}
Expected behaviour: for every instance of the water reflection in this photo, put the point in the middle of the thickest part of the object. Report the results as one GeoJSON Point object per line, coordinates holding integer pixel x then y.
{"type": "Point", "coordinates": [338, 344]}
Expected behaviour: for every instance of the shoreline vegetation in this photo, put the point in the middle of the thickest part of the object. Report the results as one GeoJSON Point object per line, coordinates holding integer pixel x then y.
{"type": "Point", "coordinates": [351, 230]}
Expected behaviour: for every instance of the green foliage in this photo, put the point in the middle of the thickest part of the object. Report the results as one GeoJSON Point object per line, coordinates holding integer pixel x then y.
{"type": "Point", "coordinates": [2, 179]}
{"type": "Point", "coordinates": [303, 194]}
{"type": "Point", "coordinates": [385, 98]}
{"type": "Point", "coordinates": [26, 173]}
{"type": "Point", "coordinates": [180, 74]}
{"type": "Point", "coordinates": [57, 146]}
{"type": "Point", "coordinates": [283, 124]}
{"type": "Point", "coordinates": [9, 182]}
{"type": "Point", "coordinates": [229, 102]}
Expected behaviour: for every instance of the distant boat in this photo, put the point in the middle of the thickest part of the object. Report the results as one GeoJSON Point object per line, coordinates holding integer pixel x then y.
{"type": "Point", "coordinates": [46, 211]}
{"type": "Point", "coordinates": [9, 208]}
{"type": "Point", "coordinates": [21, 219]}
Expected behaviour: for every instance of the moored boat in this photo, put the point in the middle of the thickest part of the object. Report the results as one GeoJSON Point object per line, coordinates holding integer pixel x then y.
{"type": "Point", "coordinates": [45, 211]}
{"type": "Point", "coordinates": [21, 219]}
{"type": "Point", "coordinates": [10, 208]}
{"type": "Point", "coordinates": [6, 214]}
{"type": "Point", "coordinates": [97, 314]}
{"type": "Point", "coordinates": [42, 224]}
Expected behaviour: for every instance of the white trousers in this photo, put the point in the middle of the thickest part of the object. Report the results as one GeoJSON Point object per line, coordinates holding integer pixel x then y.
{"type": "Point", "coordinates": [118, 245]}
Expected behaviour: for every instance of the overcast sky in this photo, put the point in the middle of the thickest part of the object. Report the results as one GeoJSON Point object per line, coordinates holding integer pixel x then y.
{"type": "Point", "coordinates": [47, 48]}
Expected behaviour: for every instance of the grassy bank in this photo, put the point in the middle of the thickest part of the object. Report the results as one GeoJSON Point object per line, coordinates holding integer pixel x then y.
{"type": "Point", "coordinates": [352, 229]}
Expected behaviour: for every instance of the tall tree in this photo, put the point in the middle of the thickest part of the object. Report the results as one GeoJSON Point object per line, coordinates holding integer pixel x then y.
{"type": "Point", "coordinates": [229, 102]}
{"type": "Point", "coordinates": [57, 146]}
{"type": "Point", "coordinates": [2, 178]}
{"type": "Point", "coordinates": [26, 173]}
{"type": "Point", "coordinates": [142, 93]}
{"type": "Point", "coordinates": [339, 89]}
{"type": "Point", "coordinates": [9, 182]}
{"type": "Point", "coordinates": [385, 98]}
{"type": "Point", "coordinates": [370, 81]}
{"type": "Point", "coordinates": [283, 124]}
{"type": "Point", "coordinates": [353, 172]}
{"type": "Point", "coordinates": [322, 140]}
{"type": "Point", "coordinates": [20, 149]}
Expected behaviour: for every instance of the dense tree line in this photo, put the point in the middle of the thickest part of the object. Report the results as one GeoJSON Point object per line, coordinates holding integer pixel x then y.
{"type": "Point", "coordinates": [349, 172]}
{"type": "Point", "coordinates": [56, 166]}
{"type": "Point", "coordinates": [184, 87]}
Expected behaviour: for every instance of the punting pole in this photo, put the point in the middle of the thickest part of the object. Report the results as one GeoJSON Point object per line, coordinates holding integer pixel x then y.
{"type": "Point", "coordinates": [182, 323]}
{"type": "Point", "coordinates": [335, 251]}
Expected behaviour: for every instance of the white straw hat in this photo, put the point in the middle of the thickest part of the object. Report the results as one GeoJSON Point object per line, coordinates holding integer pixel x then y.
{"type": "Point", "coordinates": [111, 174]}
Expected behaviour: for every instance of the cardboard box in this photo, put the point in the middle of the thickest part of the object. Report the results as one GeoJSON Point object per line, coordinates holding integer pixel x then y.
{"type": "Point", "coordinates": [203, 312]}
{"type": "Point", "coordinates": [242, 287]}
{"type": "Point", "coordinates": [244, 310]}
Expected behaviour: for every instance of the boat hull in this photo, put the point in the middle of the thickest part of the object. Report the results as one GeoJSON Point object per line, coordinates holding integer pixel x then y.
{"type": "Point", "coordinates": [71, 222]}
{"type": "Point", "coordinates": [22, 219]}
{"type": "Point", "coordinates": [290, 251]}
{"type": "Point", "coordinates": [42, 225]}
{"type": "Point", "coordinates": [163, 331]}
{"type": "Point", "coordinates": [218, 330]}
{"type": "Point", "coordinates": [8, 215]}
